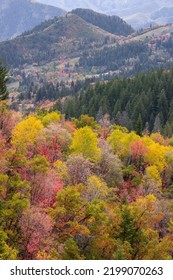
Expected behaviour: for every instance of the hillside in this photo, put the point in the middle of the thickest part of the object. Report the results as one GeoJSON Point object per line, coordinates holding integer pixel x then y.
{"type": "Point", "coordinates": [136, 12]}
{"type": "Point", "coordinates": [86, 146]}
{"type": "Point", "coordinates": [151, 48]}
{"type": "Point", "coordinates": [82, 190]}
{"type": "Point", "coordinates": [112, 24]}
{"type": "Point", "coordinates": [19, 16]}
{"type": "Point", "coordinates": [67, 36]}
{"type": "Point", "coordinates": [56, 72]}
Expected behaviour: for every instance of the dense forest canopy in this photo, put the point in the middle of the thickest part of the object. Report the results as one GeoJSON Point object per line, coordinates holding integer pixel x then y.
{"type": "Point", "coordinates": [148, 95]}
{"type": "Point", "coordinates": [83, 190]}
{"type": "Point", "coordinates": [91, 176]}
{"type": "Point", "coordinates": [90, 188]}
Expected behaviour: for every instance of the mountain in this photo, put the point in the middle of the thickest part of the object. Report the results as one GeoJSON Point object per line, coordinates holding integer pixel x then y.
{"type": "Point", "coordinates": [112, 24]}
{"type": "Point", "coordinates": [17, 16]}
{"type": "Point", "coordinates": [164, 15]}
{"type": "Point", "coordinates": [136, 12]}
{"type": "Point", "coordinates": [66, 36]}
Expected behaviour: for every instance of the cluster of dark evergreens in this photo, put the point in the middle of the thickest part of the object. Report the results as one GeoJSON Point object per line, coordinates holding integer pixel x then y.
{"type": "Point", "coordinates": [44, 90]}
{"type": "Point", "coordinates": [148, 97]}
{"type": "Point", "coordinates": [3, 80]}
{"type": "Point", "coordinates": [26, 50]}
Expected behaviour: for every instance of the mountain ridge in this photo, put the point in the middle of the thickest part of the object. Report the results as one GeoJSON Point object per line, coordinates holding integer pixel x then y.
{"type": "Point", "coordinates": [112, 24]}
{"type": "Point", "coordinates": [19, 16]}
{"type": "Point", "coordinates": [68, 35]}
{"type": "Point", "coordinates": [135, 12]}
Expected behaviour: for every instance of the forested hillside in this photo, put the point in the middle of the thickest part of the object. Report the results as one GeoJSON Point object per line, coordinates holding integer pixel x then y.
{"type": "Point", "coordinates": [62, 37]}
{"type": "Point", "coordinates": [87, 190]}
{"type": "Point", "coordinates": [126, 59]}
{"type": "Point", "coordinates": [86, 142]}
{"type": "Point", "coordinates": [146, 96]}
{"type": "Point", "coordinates": [53, 42]}
{"type": "Point", "coordinates": [83, 190]}
{"type": "Point", "coordinates": [142, 52]}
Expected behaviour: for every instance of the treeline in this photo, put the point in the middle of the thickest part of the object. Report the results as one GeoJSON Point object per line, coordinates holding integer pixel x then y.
{"type": "Point", "coordinates": [40, 90]}
{"type": "Point", "coordinates": [147, 97]}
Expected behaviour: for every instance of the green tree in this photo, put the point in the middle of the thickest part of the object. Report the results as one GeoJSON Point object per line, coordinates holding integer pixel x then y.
{"type": "Point", "coordinates": [163, 106]}
{"type": "Point", "coordinates": [139, 126]}
{"type": "Point", "coordinates": [3, 80]}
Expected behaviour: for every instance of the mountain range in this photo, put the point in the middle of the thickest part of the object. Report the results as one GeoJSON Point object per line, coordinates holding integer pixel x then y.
{"type": "Point", "coordinates": [17, 16]}
{"type": "Point", "coordinates": [136, 12]}
{"type": "Point", "coordinates": [66, 36]}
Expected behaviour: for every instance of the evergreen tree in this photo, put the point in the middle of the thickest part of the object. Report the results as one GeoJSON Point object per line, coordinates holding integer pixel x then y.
{"type": "Point", "coordinates": [3, 80]}
{"type": "Point", "coordinates": [139, 126]}
{"type": "Point", "coordinates": [130, 232]}
{"type": "Point", "coordinates": [163, 106]}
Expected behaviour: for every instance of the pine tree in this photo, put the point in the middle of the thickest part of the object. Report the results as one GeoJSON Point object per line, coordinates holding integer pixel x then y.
{"type": "Point", "coordinates": [3, 80]}
{"type": "Point", "coordinates": [163, 106]}
{"type": "Point", "coordinates": [139, 126]}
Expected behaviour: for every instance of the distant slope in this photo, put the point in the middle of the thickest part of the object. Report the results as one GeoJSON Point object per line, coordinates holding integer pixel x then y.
{"type": "Point", "coordinates": [67, 36]}
{"type": "Point", "coordinates": [112, 24]}
{"type": "Point", "coordinates": [17, 16]}
{"type": "Point", "coordinates": [153, 48]}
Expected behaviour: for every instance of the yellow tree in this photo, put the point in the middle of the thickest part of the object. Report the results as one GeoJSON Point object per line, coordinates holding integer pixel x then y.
{"type": "Point", "coordinates": [26, 132]}
{"type": "Point", "coordinates": [85, 142]}
{"type": "Point", "coordinates": [120, 142]}
{"type": "Point", "coordinates": [156, 155]}
{"type": "Point", "coordinates": [53, 117]}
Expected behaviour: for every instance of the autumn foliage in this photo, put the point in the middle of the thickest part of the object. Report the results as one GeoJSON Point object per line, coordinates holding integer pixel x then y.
{"type": "Point", "coordinates": [69, 192]}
